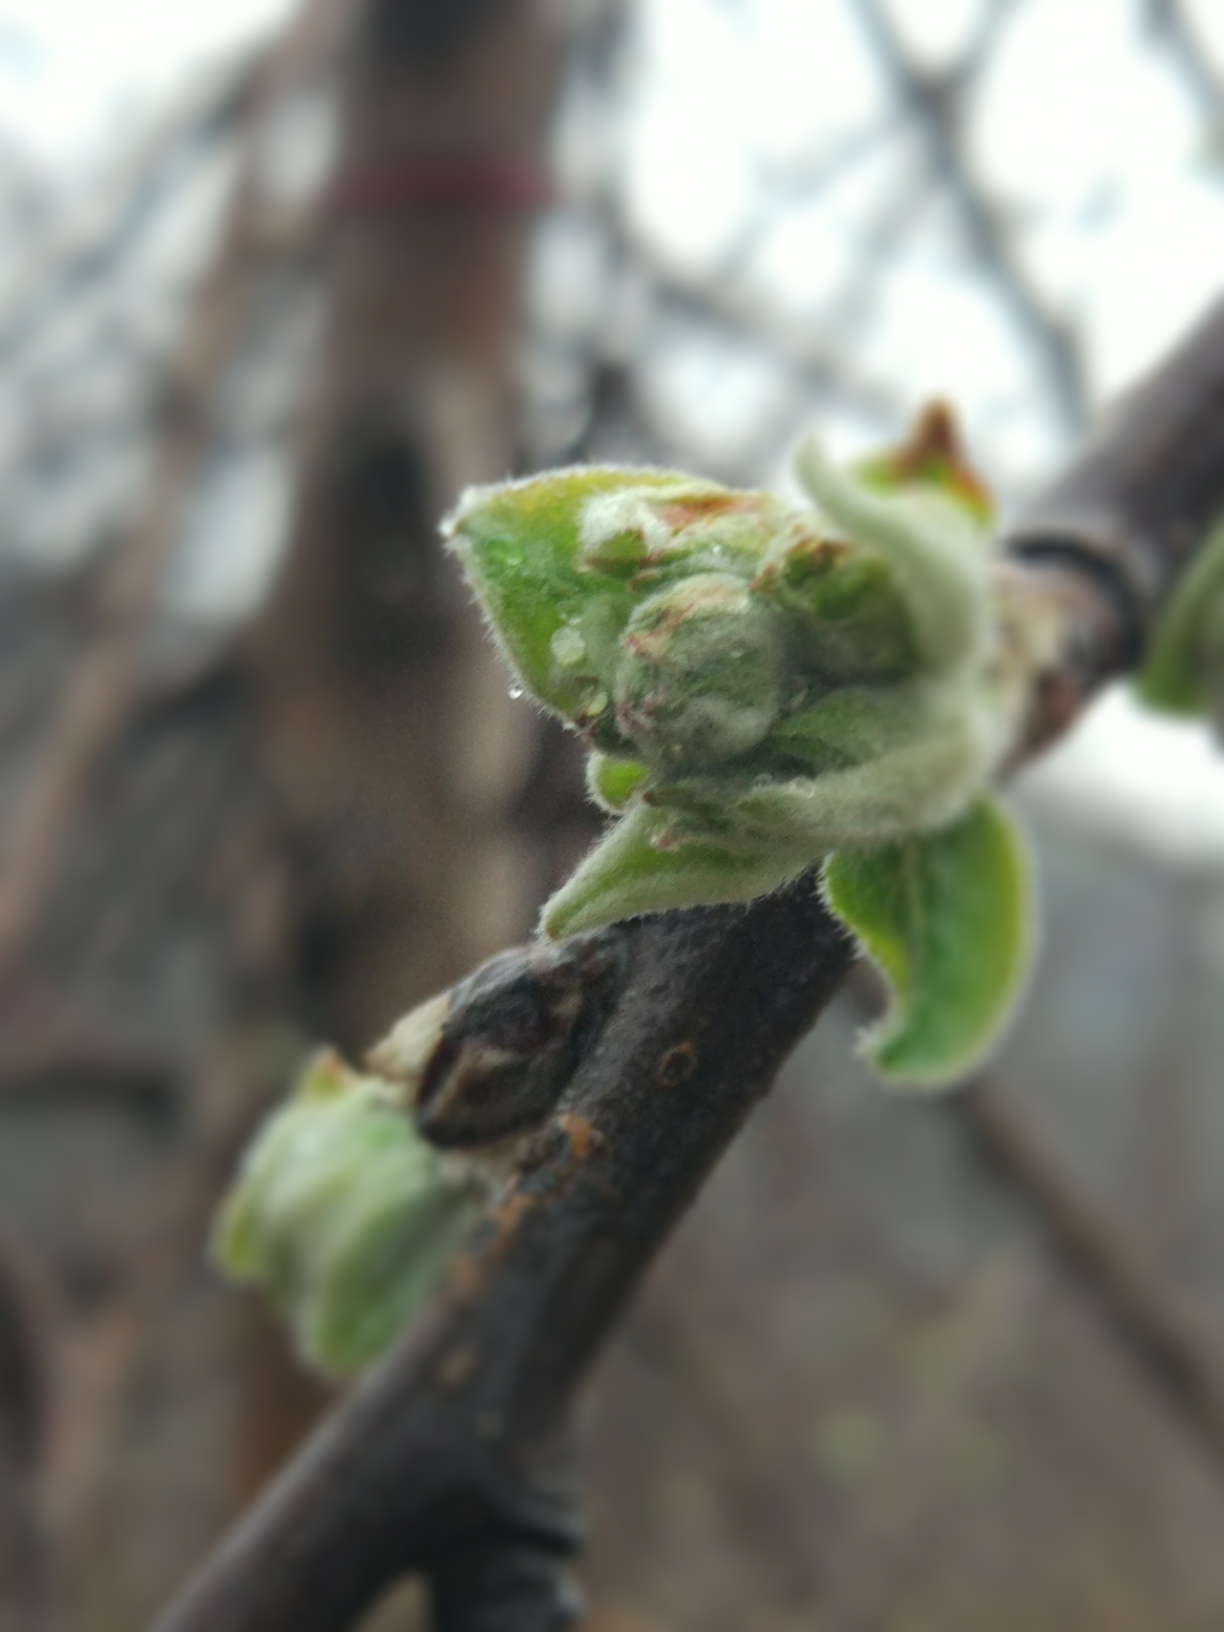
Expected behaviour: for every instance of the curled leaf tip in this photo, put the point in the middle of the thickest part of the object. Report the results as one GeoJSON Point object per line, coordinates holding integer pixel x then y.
{"type": "Point", "coordinates": [947, 918]}
{"type": "Point", "coordinates": [933, 455]}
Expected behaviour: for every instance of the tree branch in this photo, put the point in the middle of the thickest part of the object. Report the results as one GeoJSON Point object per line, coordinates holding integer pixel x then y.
{"type": "Point", "coordinates": [450, 1458]}
{"type": "Point", "coordinates": [936, 102]}
{"type": "Point", "coordinates": [1179, 1352]}
{"type": "Point", "coordinates": [453, 1442]}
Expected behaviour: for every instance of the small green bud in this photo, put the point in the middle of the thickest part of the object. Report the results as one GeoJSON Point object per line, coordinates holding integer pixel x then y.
{"type": "Point", "coordinates": [551, 559]}
{"type": "Point", "coordinates": [850, 627]}
{"type": "Point", "coordinates": [612, 783]}
{"type": "Point", "coordinates": [703, 672]}
{"type": "Point", "coordinates": [562, 563]}
{"type": "Point", "coordinates": [343, 1215]}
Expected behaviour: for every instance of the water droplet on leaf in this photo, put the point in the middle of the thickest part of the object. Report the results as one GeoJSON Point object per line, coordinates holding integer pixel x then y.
{"type": "Point", "coordinates": [568, 648]}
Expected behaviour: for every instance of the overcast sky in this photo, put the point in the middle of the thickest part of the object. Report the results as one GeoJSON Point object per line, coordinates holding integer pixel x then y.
{"type": "Point", "coordinates": [75, 75]}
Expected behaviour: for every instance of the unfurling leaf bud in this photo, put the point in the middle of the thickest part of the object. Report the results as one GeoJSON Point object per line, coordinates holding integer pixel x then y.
{"type": "Point", "coordinates": [763, 685]}
{"type": "Point", "coordinates": [344, 1215]}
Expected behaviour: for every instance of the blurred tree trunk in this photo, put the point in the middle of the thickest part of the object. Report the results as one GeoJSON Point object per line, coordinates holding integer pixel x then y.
{"type": "Point", "coordinates": [401, 757]}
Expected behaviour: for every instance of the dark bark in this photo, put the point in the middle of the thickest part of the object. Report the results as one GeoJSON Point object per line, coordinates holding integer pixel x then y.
{"type": "Point", "coordinates": [1135, 504]}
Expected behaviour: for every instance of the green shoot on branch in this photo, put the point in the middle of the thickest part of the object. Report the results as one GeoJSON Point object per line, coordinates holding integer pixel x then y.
{"type": "Point", "coordinates": [765, 690]}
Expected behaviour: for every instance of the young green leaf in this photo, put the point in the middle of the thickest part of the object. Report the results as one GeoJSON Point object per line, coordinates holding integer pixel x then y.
{"type": "Point", "coordinates": [627, 874]}
{"type": "Point", "coordinates": [343, 1215]}
{"type": "Point", "coordinates": [947, 917]}
{"type": "Point", "coordinates": [552, 559]}
{"type": "Point", "coordinates": [932, 547]}
{"type": "Point", "coordinates": [932, 456]}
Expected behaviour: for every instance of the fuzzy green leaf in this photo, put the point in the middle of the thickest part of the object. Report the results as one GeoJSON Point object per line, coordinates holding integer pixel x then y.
{"type": "Point", "coordinates": [627, 874]}
{"type": "Point", "coordinates": [343, 1215]}
{"type": "Point", "coordinates": [947, 918]}
{"type": "Point", "coordinates": [932, 548]}
{"type": "Point", "coordinates": [554, 585]}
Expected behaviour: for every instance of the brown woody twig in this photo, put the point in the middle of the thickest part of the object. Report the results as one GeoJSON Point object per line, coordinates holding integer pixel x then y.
{"type": "Point", "coordinates": [1178, 1350]}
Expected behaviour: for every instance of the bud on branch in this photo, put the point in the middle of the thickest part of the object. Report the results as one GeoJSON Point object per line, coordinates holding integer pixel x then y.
{"type": "Point", "coordinates": [765, 690]}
